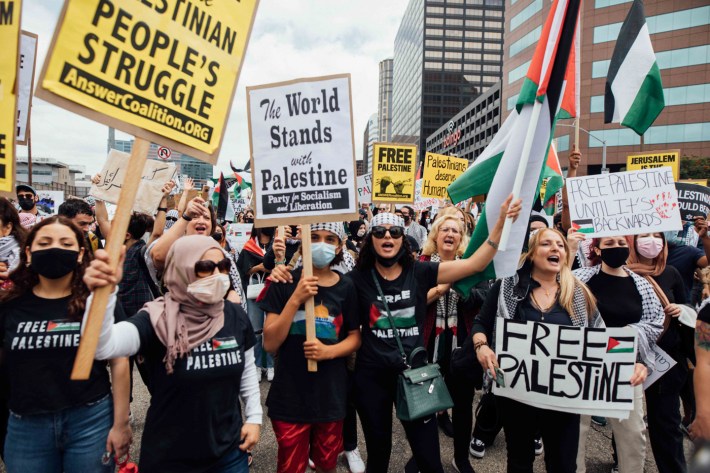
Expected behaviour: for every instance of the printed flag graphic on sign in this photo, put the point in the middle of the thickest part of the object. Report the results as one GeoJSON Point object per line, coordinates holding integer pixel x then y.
{"type": "Point", "coordinates": [538, 105]}
{"type": "Point", "coordinates": [634, 93]}
{"type": "Point", "coordinates": [620, 345]}
{"type": "Point", "coordinates": [583, 226]}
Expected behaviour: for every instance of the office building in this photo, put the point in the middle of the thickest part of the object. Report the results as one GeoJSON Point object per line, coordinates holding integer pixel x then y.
{"type": "Point", "coordinates": [199, 171]}
{"type": "Point", "coordinates": [384, 101]}
{"type": "Point", "coordinates": [446, 53]}
{"type": "Point", "coordinates": [680, 34]}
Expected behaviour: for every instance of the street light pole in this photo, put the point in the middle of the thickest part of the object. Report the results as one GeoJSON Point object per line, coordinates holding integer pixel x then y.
{"type": "Point", "coordinates": [603, 142]}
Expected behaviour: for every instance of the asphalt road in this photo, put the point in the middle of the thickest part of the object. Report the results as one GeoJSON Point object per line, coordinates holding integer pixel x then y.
{"type": "Point", "coordinates": [598, 445]}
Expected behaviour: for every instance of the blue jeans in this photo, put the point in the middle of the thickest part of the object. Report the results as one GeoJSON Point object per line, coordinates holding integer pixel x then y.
{"type": "Point", "coordinates": [70, 441]}
{"type": "Point", "coordinates": [256, 317]}
{"type": "Point", "coordinates": [233, 462]}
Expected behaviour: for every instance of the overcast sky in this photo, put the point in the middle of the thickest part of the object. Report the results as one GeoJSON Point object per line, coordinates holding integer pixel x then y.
{"type": "Point", "coordinates": [290, 39]}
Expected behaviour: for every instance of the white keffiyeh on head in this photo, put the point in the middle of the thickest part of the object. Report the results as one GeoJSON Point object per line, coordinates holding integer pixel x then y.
{"type": "Point", "coordinates": [169, 223]}
{"type": "Point", "coordinates": [335, 228]}
{"type": "Point", "coordinates": [385, 218]}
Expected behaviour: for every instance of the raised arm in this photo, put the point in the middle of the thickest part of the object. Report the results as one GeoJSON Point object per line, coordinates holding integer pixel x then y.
{"type": "Point", "coordinates": [159, 223]}
{"type": "Point", "coordinates": [160, 250]}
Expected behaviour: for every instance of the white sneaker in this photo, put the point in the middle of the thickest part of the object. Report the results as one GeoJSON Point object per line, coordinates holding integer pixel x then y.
{"type": "Point", "coordinates": [269, 374]}
{"type": "Point", "coordinates": [311, 465]}
{"type": "Point", "coordinates": [477, 448]}
{"type": "Point", "coordinates": [354, 460]}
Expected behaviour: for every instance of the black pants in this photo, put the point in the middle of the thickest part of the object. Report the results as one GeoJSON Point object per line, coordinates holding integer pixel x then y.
{"type": "Point", "coordinates": [488, 423]}
{"type": "Point", "coordinates": [663, 407]}
{"type": "Point", "coordinates": [375, 391]}
{"type": "Point", "coordinates": [560, 432]}
{"type": "Point", "coordinates": [462, 391]}
{"type": "Point", "coordinates": [350, 422]}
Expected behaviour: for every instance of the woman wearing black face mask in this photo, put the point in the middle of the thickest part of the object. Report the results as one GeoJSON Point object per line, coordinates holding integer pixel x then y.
{"type": "Point", "coordinates": [624, 298]}
{"type": "Point", "coordinates": [40, 334]}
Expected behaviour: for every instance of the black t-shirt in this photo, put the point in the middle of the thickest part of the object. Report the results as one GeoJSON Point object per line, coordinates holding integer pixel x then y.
{"type": "Point", "coordinates": [297, 395]}
{"type": "Point", "coordinates": [194, 416]}
{"type": "Point", "coordinates": [39, 344]}
{"type": "Point", "coordinates": [406, 297]}
{"type": "Point", "coordinates": [618, 300]}
{"type": "Point", "coordinates": [685, 260]}
{"type": "Point", "coordinates": [704, 314]}
{"type": "Point", "coordinates": [671, 283]}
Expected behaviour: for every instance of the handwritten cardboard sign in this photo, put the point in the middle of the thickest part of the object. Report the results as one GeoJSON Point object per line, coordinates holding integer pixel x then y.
{"type": "Point", "coordinates": [162, 71]}
{"type": "Point", "coordinates": [694, 200]}
{"type": "Point", "coordinates": [10, 40]}
{"type": "Point", "coordinates": [421, 203]}
{"type": "Point", "coordinates": [439, 172]}
{"type": "Point", "coordinates": [624, 203]}
{"type": "Point", "coordinates": [664, 363]}
{"type": "Point", "coordinates": [155, 175]}
{"type": "Point", "coordinates": [302, 151]}
{"type": "Point", "coordinates": [567, 368]}
{"type": "Point", "coordinates": [393, 170]}
{"type": "Point", "coordinates": [364, 188]}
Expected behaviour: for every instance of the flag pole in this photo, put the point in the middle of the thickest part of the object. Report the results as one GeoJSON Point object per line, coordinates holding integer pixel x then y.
{"type": "Point", "coordinates": [520, 174]}
{"type": "Point", "coordinates": [577, 92]}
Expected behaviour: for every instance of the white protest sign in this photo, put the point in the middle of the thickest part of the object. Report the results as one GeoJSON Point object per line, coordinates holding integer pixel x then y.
{"type": "Point", "coordinates": [155, 175]}
{"type": "Point", "coordinates": [238, 234]}
{"type": "Point", "coordinates": [624, 203]}
{"type": "Point", "coordinates": [364, 188]}
{"type": "Point", "coordinates": [567, 368]}
{"type": "Point", "coordinates": [25, 78]}
{"type": "Point", "coordinates": [664, 363]}
{"type": "Point", "coordinates": [302, 151]}
{"type": "Point", "coordinates": [421, 203]}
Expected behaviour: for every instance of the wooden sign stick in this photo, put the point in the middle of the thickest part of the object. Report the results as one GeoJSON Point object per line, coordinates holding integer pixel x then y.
{"type": "Point", "coordinates": [307, 260]}
{"type": "Point", "coordinates": [114, 244]}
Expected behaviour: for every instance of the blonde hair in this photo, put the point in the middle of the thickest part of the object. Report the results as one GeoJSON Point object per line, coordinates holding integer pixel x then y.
{"type": "Point", "coordinates": [567, 280]}
{"type": "Point", "coordinates": [430, 243]}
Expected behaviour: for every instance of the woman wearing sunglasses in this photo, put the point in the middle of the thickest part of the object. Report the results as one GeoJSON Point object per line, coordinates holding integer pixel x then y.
{"type": "Point", "coordinates": [405, 283]}
{"type": "Point", "coordinates": [199, 350]}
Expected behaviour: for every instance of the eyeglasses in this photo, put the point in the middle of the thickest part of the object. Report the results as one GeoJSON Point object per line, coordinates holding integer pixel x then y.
{"type": "Point", "coordinates": [206, 266]}
{"type": "Point", "coordinates": [395, 231]}
{"type": "Point", "coordinates": [172, 219]}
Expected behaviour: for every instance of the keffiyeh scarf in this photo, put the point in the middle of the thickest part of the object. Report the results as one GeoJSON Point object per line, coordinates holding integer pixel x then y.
{"type": "Point", "coordinates": [446, 315]}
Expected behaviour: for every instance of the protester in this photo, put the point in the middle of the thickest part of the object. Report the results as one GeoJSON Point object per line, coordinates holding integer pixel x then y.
{"type": "Point", "coordinates": [307, 408]}
{"type": "Point", "coordinates": [57, 424]}
{"type": "Point", "coordinates": [27, 199]}
{"type": "Point", "coordinates": [543, 290]}
{"type": "Point", "coordinates": [411, 227]}
{"type": "Point", "coordinates": [199, 348]}
{"type": "Point", "coordinates": [357, 229]}
{"type": "Point", "coordinates": [624, 298]}
{"type": "Point", "coordinates": [700, 429]}
{"type": "Point", "coordinates": [170, 218]}
{"type": "Point", "coordinates": [248, 216]}
{"type": "Point", "coordinates": [647, 258]}
{"type": "Point", "coordinates": [80, 213]}
{"type": "Point", "coordinates": [449, 320]}
{"type": "Point", "coordinates": [386, 257]}
{"type": "Point", "coordinates": [688, 258]}
{"type": "Point", "coordinates": [12, 237]}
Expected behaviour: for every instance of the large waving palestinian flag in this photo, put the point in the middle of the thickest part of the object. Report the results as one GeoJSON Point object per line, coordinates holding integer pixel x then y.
{"type": "Point", "coordinates": [634, 92]}
{"type": "Point", "coordinates": [544, 84]}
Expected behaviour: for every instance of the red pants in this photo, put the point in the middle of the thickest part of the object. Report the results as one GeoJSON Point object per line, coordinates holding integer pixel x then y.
{"type": "Point", "coordinates": [322, 442]}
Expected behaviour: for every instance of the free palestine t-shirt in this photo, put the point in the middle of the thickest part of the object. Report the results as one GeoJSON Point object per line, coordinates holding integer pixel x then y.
{"type": "Point", "coordinates": [297, 395]}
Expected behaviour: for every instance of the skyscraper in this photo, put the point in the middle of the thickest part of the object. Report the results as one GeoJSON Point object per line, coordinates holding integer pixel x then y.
{"type": "Point", "coordinates": [384, 102]}
{"type": "Point", "coordinates": [446, 53]}
{"type": "Point", "coordinates": [372, 138]}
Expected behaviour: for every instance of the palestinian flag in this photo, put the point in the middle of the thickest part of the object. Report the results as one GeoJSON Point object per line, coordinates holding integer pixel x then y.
{"type": "Point", "coordinates": [620, 345]}
{"type": "Point", "coordinates": [552, 171]}
{"type": "Point", "coordinates": [327, 326]}
{"type": "Point", "coordinates": [228, 343]}
{"type": "Point", "coordinates": [544, 85]}
{"type": "Point", "coordinates": [634, 93]}
{"type": "Point", "coordinates": [221, 201]}
{"type": "Point", "coordinates": [403, 318]}
{"type": "Point", "coordinates": [583, 226]}
{"type": "Point", "coordinates": [243, 180]}
{"type": "Point", "coordinates": [62, 326]}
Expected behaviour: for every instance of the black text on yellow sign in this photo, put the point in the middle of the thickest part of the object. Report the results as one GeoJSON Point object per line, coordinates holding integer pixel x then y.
{"type": "Point", "coordinates": [393, 169]}
{"type": "Point", "coordinates": [9, 39]}
{"type": "Point", "coordinates": [657, 159]}
{"type": "Point", "coordinates": [439, 172]}
{"type": "Point", "coordinates": [162, 70]}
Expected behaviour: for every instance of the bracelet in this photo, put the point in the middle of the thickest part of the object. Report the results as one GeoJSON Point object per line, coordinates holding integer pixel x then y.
{"type": "Point", "coordinates": [479, 344]}
{"type": "Point", "coordinates": [162, 209]}
{"type": "Point", "coordinates": [492, 243]}
{"type": "Point", "coordinates": [186, 217]}
{"type": "Point", "coordinates": [280, 262]}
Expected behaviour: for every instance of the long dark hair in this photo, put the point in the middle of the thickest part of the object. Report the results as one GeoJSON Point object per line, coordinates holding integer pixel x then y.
{"type": "Point", "coordinates": [367, 256]}
{"type": "Point", "coordinates": [8, 214]}
{"type": "Point", "coordinates": [25, 278]}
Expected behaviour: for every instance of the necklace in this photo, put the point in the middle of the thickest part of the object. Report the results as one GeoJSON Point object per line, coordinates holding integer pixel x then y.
{"type": "Point", "coordinates": [544, 310]}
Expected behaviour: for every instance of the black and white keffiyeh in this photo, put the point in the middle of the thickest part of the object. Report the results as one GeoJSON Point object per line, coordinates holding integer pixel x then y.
{"type": "Point", "coordinates": [650, 326]}
{"type": "Point", "coordinates": [446, 315]}
{"type": "Point", "coordinates": [10, 251]}
{"type": "Point", "coordinates": [385, 218]}
{"type": "Point", "coordinates": [335, 228]}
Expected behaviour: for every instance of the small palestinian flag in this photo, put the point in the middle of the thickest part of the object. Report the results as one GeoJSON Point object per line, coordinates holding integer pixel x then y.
{"type": "Point", "coordinates": [620, 345]}
{"type": "Point", "coordinates": [62, 326]}
{"type": "Point", "coordinates": [228, 343]}
{"type": "Point", "coordinates": [583, 226]}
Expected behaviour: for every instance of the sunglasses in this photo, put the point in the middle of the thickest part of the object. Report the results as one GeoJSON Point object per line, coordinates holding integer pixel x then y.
{"type": "Point", "coordinates": [395, 231]}
{"type": "Point", "coordinates": [172, 219]}
{"type": "Point", "coordinates": [207, 266]}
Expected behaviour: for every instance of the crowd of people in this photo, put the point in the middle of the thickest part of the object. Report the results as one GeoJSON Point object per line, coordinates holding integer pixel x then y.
{"type": "Point", "coordinates": [203, 322]}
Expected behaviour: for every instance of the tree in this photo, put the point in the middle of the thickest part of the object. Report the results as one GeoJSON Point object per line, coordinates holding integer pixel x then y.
{"type": "Point", "coordinates": [694, 167]}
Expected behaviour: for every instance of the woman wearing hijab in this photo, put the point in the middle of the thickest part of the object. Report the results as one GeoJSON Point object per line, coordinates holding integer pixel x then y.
{"type": "Point", "coordinates": [199, 349]}
{"type": "Point", "coordinates": [358, 229]}
{"type": "Point", "coordinates": [647, 257]}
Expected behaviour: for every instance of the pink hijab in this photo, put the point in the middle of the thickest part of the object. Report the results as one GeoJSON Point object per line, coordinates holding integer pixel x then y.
{"type": "Point", "coordinates": [180, 321]}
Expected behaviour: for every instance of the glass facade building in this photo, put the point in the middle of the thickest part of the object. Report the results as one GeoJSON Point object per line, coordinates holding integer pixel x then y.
{"type": "Point", "coordinates": [446, 54]}
{"type": "Point", "coordinates": [384, 100]}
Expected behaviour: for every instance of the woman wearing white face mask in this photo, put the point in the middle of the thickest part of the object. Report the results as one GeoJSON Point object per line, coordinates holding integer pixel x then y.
{"type": "Point", "coordinates": [647, 257]}
{"type": "Point", "coordinates": [199, 351]}
{"type": "Point", "coordinates": [307, 409]}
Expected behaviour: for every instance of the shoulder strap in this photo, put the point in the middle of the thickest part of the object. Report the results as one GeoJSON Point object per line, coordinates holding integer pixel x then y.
{"type": "Point", "coordinates": [389, 317]}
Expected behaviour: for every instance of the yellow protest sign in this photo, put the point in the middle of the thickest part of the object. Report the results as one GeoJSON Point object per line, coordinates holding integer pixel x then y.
{"type": "Point", "coordinates": [655, 159]}
{"type": "Point", "coordinates": [440, 171]}
{"type": "Point", "coordinates": [163, 71]}
{"type": "Point", "coordinates": [10, 11]}
{"type": "Point", "coordinates": [393, 169]}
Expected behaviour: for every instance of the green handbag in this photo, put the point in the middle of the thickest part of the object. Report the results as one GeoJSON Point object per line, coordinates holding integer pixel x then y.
{"type": "Point", "coordinates": [422, 391]}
